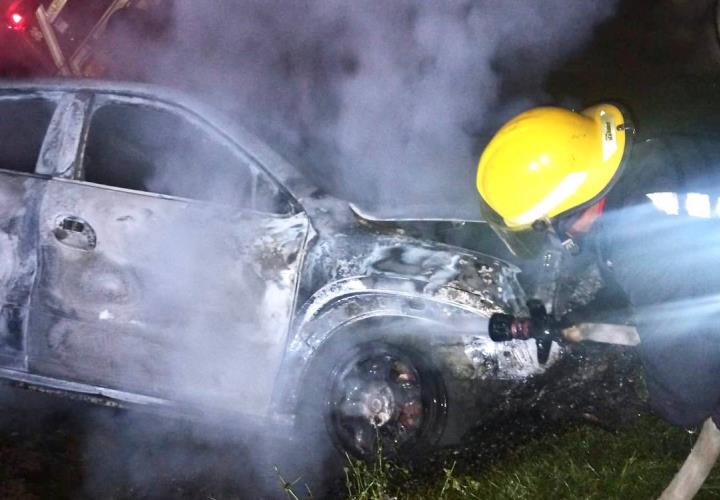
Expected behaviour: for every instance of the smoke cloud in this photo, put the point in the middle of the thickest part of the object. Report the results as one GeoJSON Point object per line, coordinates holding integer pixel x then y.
{"type": "Point", "coordinates": [386, 104]}
{"type": "Point", "coordinates": [382, 103]}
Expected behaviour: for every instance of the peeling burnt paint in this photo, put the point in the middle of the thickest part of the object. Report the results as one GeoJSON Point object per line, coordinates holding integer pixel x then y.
{"type": "Point", "coordinates": [436, 267]}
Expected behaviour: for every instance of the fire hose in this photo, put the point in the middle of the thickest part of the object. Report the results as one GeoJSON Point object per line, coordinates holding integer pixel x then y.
{"type": "Point", "coordinates": [545, 329]}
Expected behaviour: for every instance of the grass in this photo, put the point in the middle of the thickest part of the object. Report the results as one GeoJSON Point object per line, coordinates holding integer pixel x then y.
{"type": "Point", "coordinates": [582, 461]}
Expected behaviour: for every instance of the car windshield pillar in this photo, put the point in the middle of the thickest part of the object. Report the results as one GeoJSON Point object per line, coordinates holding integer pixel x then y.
{"type": "Point", "coordinates": [59, 152]}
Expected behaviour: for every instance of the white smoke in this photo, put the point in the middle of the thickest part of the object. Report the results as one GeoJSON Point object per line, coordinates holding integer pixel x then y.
{"type": "Point", "coordinates": [382, 103]}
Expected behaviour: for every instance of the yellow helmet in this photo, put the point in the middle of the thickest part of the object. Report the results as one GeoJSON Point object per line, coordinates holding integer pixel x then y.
{"type": "Point", "coordinates": [548, 161]}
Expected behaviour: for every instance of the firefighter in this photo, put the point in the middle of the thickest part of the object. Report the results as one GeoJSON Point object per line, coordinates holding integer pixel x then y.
{"type": "Point", "coordinates": [647, 209]}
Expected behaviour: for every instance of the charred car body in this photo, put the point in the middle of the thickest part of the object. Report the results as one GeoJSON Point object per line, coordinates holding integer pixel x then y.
{"type": "Point", "coordinates": [154, 255]}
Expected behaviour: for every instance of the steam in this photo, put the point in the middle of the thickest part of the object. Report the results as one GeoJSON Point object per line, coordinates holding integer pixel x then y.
{"type": "Point", "coordinates": [383, 103]}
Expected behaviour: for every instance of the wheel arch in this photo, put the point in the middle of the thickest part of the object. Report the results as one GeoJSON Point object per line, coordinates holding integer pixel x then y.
{"type": "Point", "coordinates": [348, 305]}
{"type": "Point", "coordinates": [456, 320]}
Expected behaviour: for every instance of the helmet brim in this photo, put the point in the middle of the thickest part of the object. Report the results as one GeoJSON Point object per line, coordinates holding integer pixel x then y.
{"type": "Point", "coordinates": [525, 243]}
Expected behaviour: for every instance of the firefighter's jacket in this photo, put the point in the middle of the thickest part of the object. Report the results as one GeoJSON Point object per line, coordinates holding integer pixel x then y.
{"type": "Point", "coordinates": [660, 239]}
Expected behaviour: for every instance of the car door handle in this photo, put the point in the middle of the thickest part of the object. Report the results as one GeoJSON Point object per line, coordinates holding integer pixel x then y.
{"type": "Point", "coordinates": [75, 232]}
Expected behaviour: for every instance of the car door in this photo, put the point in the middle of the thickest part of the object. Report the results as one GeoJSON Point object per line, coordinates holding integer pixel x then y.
{"type": "Point", "coordinates": [167, 265]}
{"type": "Point", "coordinates": [24, 121]}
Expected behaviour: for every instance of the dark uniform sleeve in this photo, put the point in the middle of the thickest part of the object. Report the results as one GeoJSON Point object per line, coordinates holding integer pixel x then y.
{"type": "Point", "coordinates": [669, 267]}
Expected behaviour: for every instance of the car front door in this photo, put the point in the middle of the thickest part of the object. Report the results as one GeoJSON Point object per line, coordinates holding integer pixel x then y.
{"type": "Point", "coordinates": [167, 263]}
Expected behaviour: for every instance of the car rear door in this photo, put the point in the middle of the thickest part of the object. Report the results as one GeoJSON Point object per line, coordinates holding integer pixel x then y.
{"type": "Point", "coordinates": [24, 120]}
{"type": "Point", "coordinates": [168, 263]}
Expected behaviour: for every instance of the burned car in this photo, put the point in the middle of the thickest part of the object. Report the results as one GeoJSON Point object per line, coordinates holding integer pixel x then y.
{"type": "Point", "coordinates": [155, 255]}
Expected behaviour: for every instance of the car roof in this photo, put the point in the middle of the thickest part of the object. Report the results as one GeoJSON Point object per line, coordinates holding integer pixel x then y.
{"type": "Point", "coordinates": [130, 89]}
{"type": "Point", "coordinates": [286, 173]}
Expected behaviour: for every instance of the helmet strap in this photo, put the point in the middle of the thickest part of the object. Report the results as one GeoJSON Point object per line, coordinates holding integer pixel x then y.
{"type": "Point", "coordinates": [565, 240]}
{"type": "Point", "coordinates": [569, 232]}
{"type": "Point", "coordinates": [571, 246]}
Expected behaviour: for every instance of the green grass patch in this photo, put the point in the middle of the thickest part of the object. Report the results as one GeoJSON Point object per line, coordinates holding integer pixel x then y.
{"type": "Point", "coordinates": [580, 462]}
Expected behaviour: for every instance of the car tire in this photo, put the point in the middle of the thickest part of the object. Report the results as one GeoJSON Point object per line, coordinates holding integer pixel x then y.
{"type": "Point", "coordinates": [363, 390]}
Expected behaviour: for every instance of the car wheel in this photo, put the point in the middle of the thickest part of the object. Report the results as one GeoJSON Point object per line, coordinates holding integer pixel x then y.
{"type": "Point", "coordinates": [382, 395]}
{"type": "Point", "coordinates": [376, 395]}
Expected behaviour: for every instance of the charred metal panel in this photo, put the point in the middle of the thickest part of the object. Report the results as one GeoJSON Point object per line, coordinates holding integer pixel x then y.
{"type": "Point", "coordinates": [431, 269]}
{"type": "Point", "coordinates": [173, 299]}
{"type": "Point", "coordinates": [451, 289]}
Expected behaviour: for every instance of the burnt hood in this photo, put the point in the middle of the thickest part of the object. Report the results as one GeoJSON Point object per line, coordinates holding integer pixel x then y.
{"type": "Point", "coordinates": [418, 213]}
{"type": "Point", "coordinates": [467, 233]}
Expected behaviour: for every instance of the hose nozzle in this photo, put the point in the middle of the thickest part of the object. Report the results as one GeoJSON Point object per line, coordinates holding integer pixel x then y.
{"type": "Point", "coordinates": [539, 326]}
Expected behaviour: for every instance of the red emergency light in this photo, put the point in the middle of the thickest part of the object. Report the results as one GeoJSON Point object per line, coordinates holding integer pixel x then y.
{"type": "Point", "coordinates": [16, 21]}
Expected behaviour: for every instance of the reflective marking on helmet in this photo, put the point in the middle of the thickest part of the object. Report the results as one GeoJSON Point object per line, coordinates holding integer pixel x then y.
{"type": "Point", "coordinates": [609, 137]}
{"type": "Point", "coordinates": [697, 205]}
{"type": "Point", "coordinates": [665, 202]}
{"type": "Point", "coordinates": [565, 189]}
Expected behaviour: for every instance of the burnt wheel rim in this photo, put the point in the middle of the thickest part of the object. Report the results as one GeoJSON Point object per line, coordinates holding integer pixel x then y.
{"type": "Point", "coordinates": [381, 396]}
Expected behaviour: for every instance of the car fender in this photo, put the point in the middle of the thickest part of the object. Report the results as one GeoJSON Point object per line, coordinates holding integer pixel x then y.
{"type": "Point", "coordinates": [450, 316]}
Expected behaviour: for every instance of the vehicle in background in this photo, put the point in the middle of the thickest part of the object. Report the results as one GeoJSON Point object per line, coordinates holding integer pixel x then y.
{"type": "Point", "coordinates": [61, 37]}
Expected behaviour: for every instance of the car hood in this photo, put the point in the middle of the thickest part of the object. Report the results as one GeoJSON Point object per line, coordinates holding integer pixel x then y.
{"type": "Point", "coordinates": [417, 257]}
{"type": "Point", "coordinates": [417, 213]}
{"type": "Point", "coordinates": [465, 234]}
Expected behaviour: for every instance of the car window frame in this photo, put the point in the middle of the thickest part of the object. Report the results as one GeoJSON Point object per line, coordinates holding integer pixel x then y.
{"type": "Point", "coordinates": [100, 100]}
{"type": "Point", "coordinates": [52, 97]}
